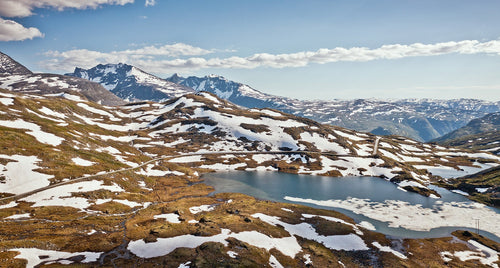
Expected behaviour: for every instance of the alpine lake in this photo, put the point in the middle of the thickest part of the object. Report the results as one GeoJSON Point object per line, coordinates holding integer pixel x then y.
{"type": "Point", "coordinates": [371, 201]}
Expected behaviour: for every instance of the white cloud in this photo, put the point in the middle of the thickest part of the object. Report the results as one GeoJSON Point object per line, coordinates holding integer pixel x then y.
{"type": "Point", "coordinates": [67, 60]}
{"type": "Point", "coordinates": [151, 58]}
{"type": "Point", "coordinates": [150, 3]}
{"type": "Point", "coordinates": [13, 31]}
{"type": "Point", "coordinates": [24, 8]}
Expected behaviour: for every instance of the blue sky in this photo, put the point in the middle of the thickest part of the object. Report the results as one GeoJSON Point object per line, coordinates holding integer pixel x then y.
{"type": "Point", "coordinates": [303, 49]}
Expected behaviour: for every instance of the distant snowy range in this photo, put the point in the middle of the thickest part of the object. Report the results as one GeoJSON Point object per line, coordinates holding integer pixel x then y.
{"type": "Point", "coordinates": [419, 119]}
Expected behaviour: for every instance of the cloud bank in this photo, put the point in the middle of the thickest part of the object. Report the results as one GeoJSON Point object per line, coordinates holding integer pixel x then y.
{"type": "Point", "coordinates": [24, 8]}
{"type": "Point", "coordinates": [153, 58]}
{"type": "Point", "coordinates": [67, 60]}
{"type": "Point", "coordinates": [13, 31]}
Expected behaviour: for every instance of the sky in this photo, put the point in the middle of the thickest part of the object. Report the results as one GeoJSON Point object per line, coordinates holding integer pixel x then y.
{"type": "Point", "coordinates": [296, 48]}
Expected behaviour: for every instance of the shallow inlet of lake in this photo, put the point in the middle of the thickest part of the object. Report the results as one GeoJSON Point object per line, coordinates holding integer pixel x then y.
{"type": "Point", "coordinates": [390, 210]}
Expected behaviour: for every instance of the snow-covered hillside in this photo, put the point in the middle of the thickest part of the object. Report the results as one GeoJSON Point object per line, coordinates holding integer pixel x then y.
{"type": "Point", "coordinates": [209, 129]}
{"type": "Point", "coordinates": [420, 119]}
{"type": "Point", "coordinates": [125, 183]}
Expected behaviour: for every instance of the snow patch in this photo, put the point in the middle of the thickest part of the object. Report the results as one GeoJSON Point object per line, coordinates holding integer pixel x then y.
{"type": "Point", "coordinates": [32, 255]}
{"type": "Point", "coordinates": [390, 250]}
{"type": "Point", "coordinates": [274, 263]}
{"type": "Point", "coordinates": [196, 210]}
{"type": "Point", "coordinates": [367, 226]}
{"type": "Point", "coordinates": [61, 195]}
{"type": "Point", "coordinates": [82, 162]}
{"type": "Point", "coordinates": [186, 159]}
{"type": "Point", "coordinates": [232, 254]}
{"type": "Point", "coordinates": [170, 217]}
{"type": "Point", "coordinates": [34, 130]}
{"type": "Point", "coordinates": [20, 176]}
{"type": "Point", "coordinates": [307, 231]}
{"type": "Point", "coordinates": [18, 216]}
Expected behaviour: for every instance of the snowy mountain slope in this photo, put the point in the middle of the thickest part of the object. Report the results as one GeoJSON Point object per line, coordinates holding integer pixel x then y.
{"type": "Point", "coordinates": [125, 183]}
{"type": "Point", "coordinates": [229, 90]}
{"type": "Point", "coordinates": [485, 124]}
{"type": "Point", "coordinates": [131, 83]}
{"type": "Point", "coordinates": [488, 141]}
{"type": "Point", "coordinates": [422, 120]}
{"type": "Point", "coordinates": [15, 77]}
{"type": "Point", "coordinates": [479, 134]}
{"type": "Point", "coordinates": [221, 126]}
{"type": "Point", "coordinates": [10, 66]}
{"type": "Point", "coordinates": [482, 187]}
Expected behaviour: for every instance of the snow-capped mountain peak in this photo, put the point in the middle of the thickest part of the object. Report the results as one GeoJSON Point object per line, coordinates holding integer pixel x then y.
{"type": "Point", "coordinates": [10, 66]}
{"type": "Point", "coordinates": [131, 83]}
{"type": "Point", "coordinates": [224, 88]}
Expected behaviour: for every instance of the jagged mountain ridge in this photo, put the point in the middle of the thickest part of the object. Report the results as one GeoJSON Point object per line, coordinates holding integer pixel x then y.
{"type": "Point", "coordinates": [229, 90]}
{"type": "Point", "coordinates": [16, 77]}
{"type": "Point", "coordinates": [131, 83]}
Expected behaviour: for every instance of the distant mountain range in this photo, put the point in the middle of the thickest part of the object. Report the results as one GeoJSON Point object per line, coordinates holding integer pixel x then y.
{"type": "Point", "coordinates": [479, 134]}
{"type": "Point", "coordinates": [16, 77]}
{"type": "Point", "coordinates": [420, 119]}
